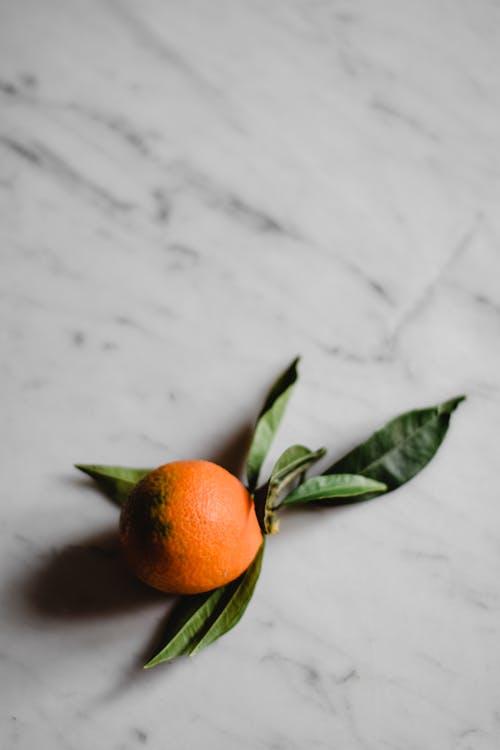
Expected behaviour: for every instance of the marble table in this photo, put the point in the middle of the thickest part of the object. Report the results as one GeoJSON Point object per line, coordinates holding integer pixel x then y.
{"type": "Point", "coordinates": [191, 194]}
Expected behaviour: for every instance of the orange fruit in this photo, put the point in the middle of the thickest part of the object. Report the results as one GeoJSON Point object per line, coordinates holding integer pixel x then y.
{"type": "Point", "coordinates": [188, 527]}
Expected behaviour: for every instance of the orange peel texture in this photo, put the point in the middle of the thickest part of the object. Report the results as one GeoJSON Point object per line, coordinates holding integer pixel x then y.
{"type": "Point", "coordinates": [189, 527]}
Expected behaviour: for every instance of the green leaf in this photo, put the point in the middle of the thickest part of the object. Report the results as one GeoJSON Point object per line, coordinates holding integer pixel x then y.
{"type": "Point", "coordinates": [185, 623]}
{"type": "Point", "coordinates": [330, 486]}
{"type": "Point", "coordinates": [234, 605]}
{"type": "Point", "coordinates": [400, 449]}
{"type": "Point", "coordinates": [295, 460]}
{"type": "Point", "coordinates": [268, 422]}
{"type": "Point", "coordinates": [199, 620]}
{"type": "Point", "coordinates": [115, 481]}
{"type": "Point", "coordinates": [293, 463]}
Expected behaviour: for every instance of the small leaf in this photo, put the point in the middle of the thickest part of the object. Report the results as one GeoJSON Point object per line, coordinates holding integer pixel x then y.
{"type": "Point", "coordinates": [199, 620]}
{"type": "Point", "coordinates": [330, 486]}
{"type": "Point", "coordinates": [269, 421]}
{"type": "Point", "coordinates": [115, 481]}
{"type": "Point", "coordinates": [400, 449]}
{"type": "Point", "coordinates": [293, 463]}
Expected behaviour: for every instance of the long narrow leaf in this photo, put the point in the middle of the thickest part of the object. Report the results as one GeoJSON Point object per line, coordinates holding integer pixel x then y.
{"type": "Point", "coordinates": [115, 481]}
{"type": "Point", "coordinates": [199, 620]}
{"type": "Point", "coordinates": [400, 449]}
{"type": "Point", "coordinates": [234, 606]}
{"type": "Point", "coordinates": [330, 486]}
{"type": "Point", "coordinates": [268, 422]}
{"type": "Point", "coordinates": [186, 623]}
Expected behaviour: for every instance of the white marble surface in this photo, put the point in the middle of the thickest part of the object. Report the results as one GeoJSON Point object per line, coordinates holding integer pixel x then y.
{"type": "Point", "coordinates": [191, 193]}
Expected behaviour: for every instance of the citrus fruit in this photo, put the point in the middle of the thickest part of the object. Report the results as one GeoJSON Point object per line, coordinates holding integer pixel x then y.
{"type": "Point", "coordinates": [189, 527]}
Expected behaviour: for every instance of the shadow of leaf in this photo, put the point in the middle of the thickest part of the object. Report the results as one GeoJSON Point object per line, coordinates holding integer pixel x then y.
{"type": "Point", "coordinates": [232, 453]}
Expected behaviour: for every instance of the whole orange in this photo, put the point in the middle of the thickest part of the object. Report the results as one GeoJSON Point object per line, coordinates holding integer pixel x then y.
{"type": "Point", "coordinates": [188, 527]}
